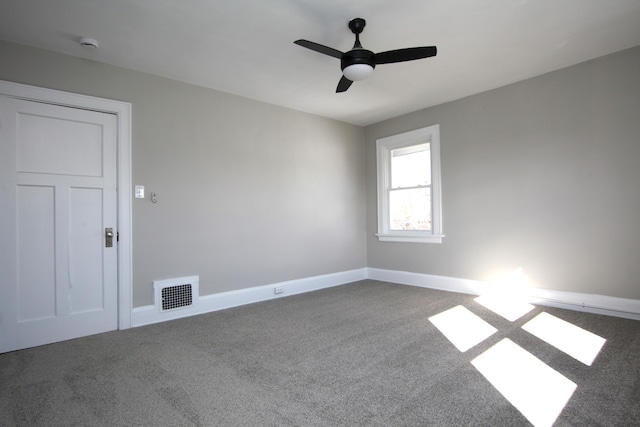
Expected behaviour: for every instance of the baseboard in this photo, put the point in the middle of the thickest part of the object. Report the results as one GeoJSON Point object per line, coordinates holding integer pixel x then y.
{"type": "Point", "coordinates": [443, 283]}
{"type": "Point", "coordinates": [147, 315]}
{"type": "Point", "coordinates": [598, 304]}
{"type": "Point", "coordinates": [590, 303]}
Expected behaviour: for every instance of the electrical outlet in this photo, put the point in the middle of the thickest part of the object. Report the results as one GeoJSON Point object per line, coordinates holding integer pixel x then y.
{"type": "Point", "coordinates": [278, 290]}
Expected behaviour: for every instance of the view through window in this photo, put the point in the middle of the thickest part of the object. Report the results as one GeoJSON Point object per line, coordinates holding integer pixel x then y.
{"type": "Point", "coordinates": [410, 192]}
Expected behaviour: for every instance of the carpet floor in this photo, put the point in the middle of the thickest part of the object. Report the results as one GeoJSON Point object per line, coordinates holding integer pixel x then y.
{"type": "Point", "coordinates": [361, 354]}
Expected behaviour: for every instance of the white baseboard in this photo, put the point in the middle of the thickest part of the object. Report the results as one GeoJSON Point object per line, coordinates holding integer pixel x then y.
{"type": "Point", "coordinates": [590, 303]}
{"type": "Point", "coordinates": [598, 304]}
{"type": "Point", "coordinates": [443, 283]}
{"type": "Point", "coordinates": [150, 314]}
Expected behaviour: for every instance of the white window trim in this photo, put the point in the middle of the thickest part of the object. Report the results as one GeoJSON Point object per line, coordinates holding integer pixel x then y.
{"type": "Point", "coordinates": [384, 146]}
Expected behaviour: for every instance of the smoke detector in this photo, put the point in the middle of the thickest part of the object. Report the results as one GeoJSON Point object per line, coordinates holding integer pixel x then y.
{"type": "Point", "coordinates": [89, 43]}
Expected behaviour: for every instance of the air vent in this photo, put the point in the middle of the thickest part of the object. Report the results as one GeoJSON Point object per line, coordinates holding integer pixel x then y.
{"type": "Point", "coordinates": [174, 294]}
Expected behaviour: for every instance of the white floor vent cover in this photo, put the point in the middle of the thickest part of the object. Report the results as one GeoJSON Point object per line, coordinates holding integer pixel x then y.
{"type": "Point", "coordinates": [174, 294]}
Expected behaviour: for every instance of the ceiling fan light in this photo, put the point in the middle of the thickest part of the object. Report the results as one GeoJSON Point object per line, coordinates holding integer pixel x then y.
{"type": "Point", "coordinates": [355, 72]}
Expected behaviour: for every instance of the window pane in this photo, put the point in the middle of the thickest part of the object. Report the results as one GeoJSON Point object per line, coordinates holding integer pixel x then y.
{"type": "Point", "coordinates": [411, 169]}
{"type": "Point", "coordinates": [410, 209]}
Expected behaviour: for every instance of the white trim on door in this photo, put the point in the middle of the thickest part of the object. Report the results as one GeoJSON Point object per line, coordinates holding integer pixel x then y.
{"type": "Point", "coordinates": [122, 110]}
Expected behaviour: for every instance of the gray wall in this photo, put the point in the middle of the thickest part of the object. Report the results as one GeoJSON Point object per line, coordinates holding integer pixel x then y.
{"type": "Point", "coordinates": [543, 174]}
{"type": "Point", "coordinates": [248, 193]}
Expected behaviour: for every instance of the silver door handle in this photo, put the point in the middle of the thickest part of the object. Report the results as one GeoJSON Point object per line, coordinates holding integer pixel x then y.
{"type": "Point", "coordinates": [108, 237]}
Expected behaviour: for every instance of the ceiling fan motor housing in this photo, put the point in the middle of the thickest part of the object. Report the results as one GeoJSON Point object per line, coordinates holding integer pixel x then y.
{"type": "Point", "coordinates": [358, 56]}
{"type": "Point", "coordinates": [357, 64]}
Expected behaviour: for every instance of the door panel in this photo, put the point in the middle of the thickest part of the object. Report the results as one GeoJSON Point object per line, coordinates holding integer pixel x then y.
{"type": "Point", "coordinates": [43, 144]}
{"type": "Point", "coordinates": [36, 253]}
{"type": "Point", "coordinates": [57, 195]}
{"type": "Point", "coordinates": [85, 249]}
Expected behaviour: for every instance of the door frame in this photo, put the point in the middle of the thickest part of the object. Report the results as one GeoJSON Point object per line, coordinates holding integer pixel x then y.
{"type": "Point", "coordinates": [122, 111]}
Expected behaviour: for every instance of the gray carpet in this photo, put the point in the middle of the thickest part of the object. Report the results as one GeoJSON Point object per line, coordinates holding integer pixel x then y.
{"type": "Point", "coordinates": [362, 354]}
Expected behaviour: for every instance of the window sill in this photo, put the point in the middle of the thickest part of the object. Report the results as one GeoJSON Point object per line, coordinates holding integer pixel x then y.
{"type": "Point", "coordinates": [432, 238]}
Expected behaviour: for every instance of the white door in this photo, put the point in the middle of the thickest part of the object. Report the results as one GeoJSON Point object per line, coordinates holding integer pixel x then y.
{"type": "Point", "coordinates": [58, 280]}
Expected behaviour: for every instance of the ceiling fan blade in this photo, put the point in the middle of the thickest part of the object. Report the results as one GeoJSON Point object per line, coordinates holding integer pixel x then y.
{"type": "Point", "coordinates": [319, 48]}
{"type": "Point", "coordinates": [343, 84]}
{"type": "Point", "coordinates": [408, 54]}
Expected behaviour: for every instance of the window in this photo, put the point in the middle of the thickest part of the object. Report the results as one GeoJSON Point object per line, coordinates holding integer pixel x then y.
{"type": "Point", "coordinates": [409, 199]}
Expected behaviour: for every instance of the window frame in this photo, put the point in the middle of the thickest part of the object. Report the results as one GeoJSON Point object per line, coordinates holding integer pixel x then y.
{"type": "Point", "coordinates": [384, 146]}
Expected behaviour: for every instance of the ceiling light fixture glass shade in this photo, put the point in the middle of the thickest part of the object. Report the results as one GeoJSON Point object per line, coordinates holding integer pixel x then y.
{"type": "Point", "coordinates": [355, 72]}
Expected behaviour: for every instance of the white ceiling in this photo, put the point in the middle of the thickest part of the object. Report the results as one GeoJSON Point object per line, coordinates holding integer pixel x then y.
{"type": "Point", "coordinates": [245, 47]}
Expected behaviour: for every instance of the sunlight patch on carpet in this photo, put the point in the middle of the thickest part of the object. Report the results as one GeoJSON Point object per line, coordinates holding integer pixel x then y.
{"type": "Point", "coordinates": [463, 328]}
{"type": "Point", "coordinates": [510, 308]}
{"type": "Point", "coordinates": [578, 343]}
{"type": "Point", "coordinates": [536, 390]}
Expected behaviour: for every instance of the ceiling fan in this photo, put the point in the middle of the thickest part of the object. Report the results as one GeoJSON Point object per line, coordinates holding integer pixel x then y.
{"type": "Point", "coordinates": [358, 63]}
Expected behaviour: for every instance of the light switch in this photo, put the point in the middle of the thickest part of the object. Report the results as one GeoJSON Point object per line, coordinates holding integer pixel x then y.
{"type": "Point", "coordinates": [139, 191]}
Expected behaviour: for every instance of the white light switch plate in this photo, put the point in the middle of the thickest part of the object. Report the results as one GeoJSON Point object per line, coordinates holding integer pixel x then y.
{"type": "Point", "coordinates": [139, 191]}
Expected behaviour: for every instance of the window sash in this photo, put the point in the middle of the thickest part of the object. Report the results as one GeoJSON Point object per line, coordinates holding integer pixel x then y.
{"type": "Point", "coordinates": [410, 166]}
{"type": "Point", "coordinates": [410, 213]}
